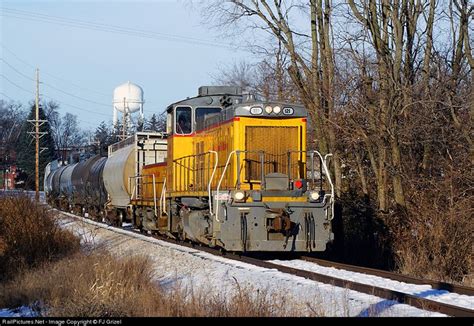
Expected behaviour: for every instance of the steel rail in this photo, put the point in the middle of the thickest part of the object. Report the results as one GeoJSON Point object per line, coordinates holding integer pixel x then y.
{"type": "Point", "coordinates": [400, 297]}
{"type": "Point", "coordinates": [453, 288]}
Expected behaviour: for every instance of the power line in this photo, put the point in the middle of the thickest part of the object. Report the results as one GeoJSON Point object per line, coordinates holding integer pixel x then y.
{"type": "Point", "coordinates": [76, 107]}
{"type": "Point", "coordinates": [59, 102]}
{"type": "Point", "coordinates": [22, 14]}
{"type": "Point", "coordinates": [13, 68]}
{"type": "Point", "coordinates": [129, 33]}
{"type": "Point", "coordinates": [53, 87]}
{"type": "Point", "coordinates": [49, 74]}
{"type": "Point", "coordinates": [8, 97]}
{"type": "Point", "coordinates": [78, 97]}
{"type": "Point", "coordinates": [16, 85]}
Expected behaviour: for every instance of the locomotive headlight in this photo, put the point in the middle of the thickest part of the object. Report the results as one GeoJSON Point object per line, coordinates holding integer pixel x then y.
{"type": "Point", "coordinates": [268, 109]}
{"type": "Point", "coordinates": [313, 196]}
{"type": "Point", "coordinates": [277, 109]}
{"type": "Point", "coordinates": [256, 110]}
{"type": "Point", "coordinates": [239, 196]}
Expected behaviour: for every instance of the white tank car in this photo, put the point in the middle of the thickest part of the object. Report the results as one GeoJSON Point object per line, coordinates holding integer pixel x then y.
{"type": "Point", "coordinates": [49, 170]}
{"type": "Point", "coordinates": [124, 162]}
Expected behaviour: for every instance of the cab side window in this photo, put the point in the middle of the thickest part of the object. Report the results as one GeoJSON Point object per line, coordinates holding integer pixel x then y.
{"type": "Point", "coordinates": [183, 120]}
{"type": "Point", "coordinates": [204, 114]}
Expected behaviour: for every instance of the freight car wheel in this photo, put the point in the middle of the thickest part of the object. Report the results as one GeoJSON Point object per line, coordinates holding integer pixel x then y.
{"type": "Point", "coordinates": [119, 219]}
{"type": "Point", "coordinates": [137, 218]}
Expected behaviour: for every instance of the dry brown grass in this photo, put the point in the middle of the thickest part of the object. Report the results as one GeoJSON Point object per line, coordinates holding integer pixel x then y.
{"type": "Point", "coordinates": [29, 236]}
{"type": "Point", "coordinates": [437, 239]}
{"type": "Point", "coordinates": [86, 285]}
{"type": "Point", "coordinates": [103, 285]}
{"type": "Point", "coordinates": [237, 301]}
{"type": "Point", "coordinates": [41, 266]}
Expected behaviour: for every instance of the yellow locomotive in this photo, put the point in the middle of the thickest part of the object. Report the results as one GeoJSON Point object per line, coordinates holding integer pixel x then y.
{"type": "Point", "coordinates": [237, 176]}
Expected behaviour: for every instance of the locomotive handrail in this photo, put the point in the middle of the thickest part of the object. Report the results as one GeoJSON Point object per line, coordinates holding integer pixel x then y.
{"type": "Point", "coordinates": [154, 195]}
{"type": "Point", "coordinates": [163, 198]}
{"type": "Point", "coordinates": [192, 164]}
{"type": "Point", "coordinates": [134, 190]}
{"type": "Point", "coordinates": [326, 172]}
{"type": "Point", "coordinates": [219, 184]}
{"type": "Point", "coordinates": [210, 180]}
{"type": "Point", "coordinates": [328, 175]}
{"type": "Point", "coordinates": [261, 161]}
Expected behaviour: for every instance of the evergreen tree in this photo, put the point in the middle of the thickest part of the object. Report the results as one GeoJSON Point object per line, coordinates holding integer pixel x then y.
{"type": "Point", "coordinates": [26, 159]}
{"type": "Point", "coordinates": [104, 136]}
{"type": "Point", "coordinates": [156, 123]}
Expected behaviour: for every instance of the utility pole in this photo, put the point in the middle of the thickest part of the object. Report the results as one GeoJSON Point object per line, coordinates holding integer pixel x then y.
{"type": "Point", "coordinates": [37, 137]}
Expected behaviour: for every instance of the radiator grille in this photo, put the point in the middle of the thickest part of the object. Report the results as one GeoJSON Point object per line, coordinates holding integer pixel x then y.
{"type": "Point", "coordinates": [275, 142]}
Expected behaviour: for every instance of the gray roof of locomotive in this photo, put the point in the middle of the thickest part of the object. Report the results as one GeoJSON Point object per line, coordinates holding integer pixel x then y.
{"type": "Point", "coordinates": [236, 104]}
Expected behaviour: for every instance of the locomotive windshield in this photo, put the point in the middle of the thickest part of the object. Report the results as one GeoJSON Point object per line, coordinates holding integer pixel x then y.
{"type": "Point", "coordinates": [183, 120]}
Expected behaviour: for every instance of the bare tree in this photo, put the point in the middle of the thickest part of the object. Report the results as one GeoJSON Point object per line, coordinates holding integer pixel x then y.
{"type": "Point", "coordinates": [11, 121]}
{"type": "Point", "coordinates": [240, 74]}
{"type": "Point", "coordinates": [392, 27]}
{"type": "Point", "coordinates": [462, 11]}
{"type": "Point", "coordinates": [65, 129]}
{"type": "Point", "coordinates": [311, 61]}
{"type": "Point", "coordinates": [268, 78]}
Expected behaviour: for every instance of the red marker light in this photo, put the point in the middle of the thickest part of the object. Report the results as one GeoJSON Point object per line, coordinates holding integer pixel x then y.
{"type": "Point", "coordinates": [299, 184]}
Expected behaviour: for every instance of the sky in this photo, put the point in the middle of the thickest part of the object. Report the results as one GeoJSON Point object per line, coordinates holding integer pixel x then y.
{"type": "Point", "coordinates": [84, 49]}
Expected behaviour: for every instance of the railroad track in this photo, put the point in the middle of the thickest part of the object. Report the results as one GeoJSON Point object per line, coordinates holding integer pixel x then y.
{"type": "Point", "coordinates": [388, 294]}
{"type": "Point", "coordinates": [401, 297]}
{"type": "Point", "coordinates": [454, 288]}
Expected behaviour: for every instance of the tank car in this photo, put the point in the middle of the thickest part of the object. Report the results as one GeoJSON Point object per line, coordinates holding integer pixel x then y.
{"type": "Point", "coordinates": [237, 176]}
{"type": "Point", "coordinates": [125, 160]}
{"type": "Point", "coordinates": [99, 187]}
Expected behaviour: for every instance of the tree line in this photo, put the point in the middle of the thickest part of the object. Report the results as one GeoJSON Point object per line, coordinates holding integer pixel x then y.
{"type": "Point", "coordinates": [388, 85]}
{"type": "Point", "coordinates": [62, 137]}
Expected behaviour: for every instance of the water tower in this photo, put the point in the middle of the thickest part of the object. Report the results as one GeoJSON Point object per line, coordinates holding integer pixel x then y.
{"type": "Point", "coordinates": [128, 99]}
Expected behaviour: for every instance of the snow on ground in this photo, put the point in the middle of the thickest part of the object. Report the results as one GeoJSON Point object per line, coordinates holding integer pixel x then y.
{"type": "Point", "coordinates": [425, 291]}
{"type": "Point", "coordinates": [182, 266]}
{"type": "Point", "coordinates": [22, 311]}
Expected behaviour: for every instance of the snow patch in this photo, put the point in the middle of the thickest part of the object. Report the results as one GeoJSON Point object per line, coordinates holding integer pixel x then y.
{"type": "Point", "coordinates": [420, 290]}
{"type": "Point", "coordinates": [195, 270]}
{"type": "Point", "coordinates": [22, 311]}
